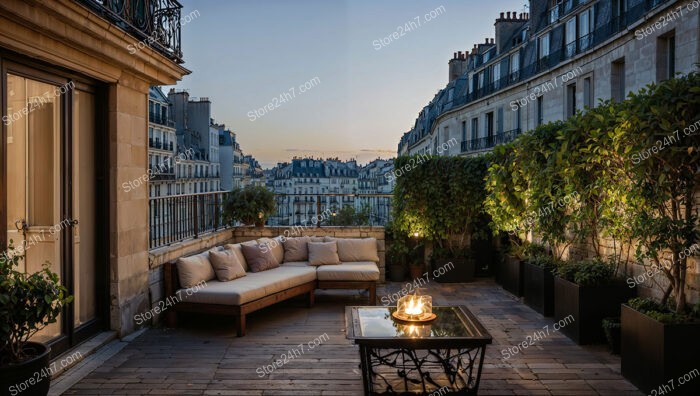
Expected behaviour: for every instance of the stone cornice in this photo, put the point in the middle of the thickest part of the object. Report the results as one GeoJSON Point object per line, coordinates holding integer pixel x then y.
{"type": "Point", "coordinates": [64, 33]}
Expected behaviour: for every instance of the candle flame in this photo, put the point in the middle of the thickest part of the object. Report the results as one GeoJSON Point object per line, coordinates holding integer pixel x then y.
{"type": "Point", "coordinates": [415, 307]}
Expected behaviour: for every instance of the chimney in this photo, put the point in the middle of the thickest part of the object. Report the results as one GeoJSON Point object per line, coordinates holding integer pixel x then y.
{"type": "Point", "coordinates": [502, 15]}
{"type": "Point", "coordinates": [508, 14]}
{"type": "Point", "coordinates": [505, 30]}
{"type": "Point", "coordinates": [457, 66]}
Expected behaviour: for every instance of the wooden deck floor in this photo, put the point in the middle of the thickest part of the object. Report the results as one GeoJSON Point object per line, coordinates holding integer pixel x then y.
{"type": "Point", "coordinates": [204, 357]}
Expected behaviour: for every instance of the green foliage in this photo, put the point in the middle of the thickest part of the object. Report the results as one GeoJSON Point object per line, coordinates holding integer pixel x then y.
{"type": "Point", "coordinates": [28, 303]}
{"type": "Point", "coordinates": [657, 311]}
{"type": "Point", "coordinates": [588, 272]}
{"type": "Point", "coordinates": [349, 216]}
{"type": "Point", "coordinates": [546, 262]}
{"type": "Point", "coordinates": [665, 172]}
{"type": "Point", "coordinates": [249, 205]}
{"type": "Point", "coordinates": [441, 199]}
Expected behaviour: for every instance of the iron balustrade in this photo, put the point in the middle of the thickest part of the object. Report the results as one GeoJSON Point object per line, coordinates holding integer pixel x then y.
{"type": "Point", "coordinates": [488, 142]}
{"type": "Point", "coordinates": [155, 23]}
{"type": "Point", "coordinates": [179, 217]}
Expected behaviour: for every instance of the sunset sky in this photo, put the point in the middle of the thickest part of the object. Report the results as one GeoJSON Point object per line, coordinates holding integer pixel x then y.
{"type": "Point", "coordinates": [244, 53]}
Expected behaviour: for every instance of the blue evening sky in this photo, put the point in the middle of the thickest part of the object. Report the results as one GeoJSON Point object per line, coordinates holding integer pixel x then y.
{"type": "Point", "coordinates": [244, 53]}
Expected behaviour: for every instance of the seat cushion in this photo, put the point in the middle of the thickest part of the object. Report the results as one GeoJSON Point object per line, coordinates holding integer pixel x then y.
{"type": "Point", "coordinates": [275, 246]}
{"type": "Point", "coordinates": [259, 257]}
{"type": "Point", "coordinates": [194, 270]}
{"type": "Point", "coordinates": [252, 286]}
{"type": "Point", "coordinates": [297, 264]}
{"type": "Point", "coordinates": [226, 265]}
{"type": "Point", "coordinates": [363, 271]}
{"type": "Point", "coordinates": [295, 249]}
{"type": "Point", "coordinates": [323, 253]}
{"type": "Point", "coordinates": [239, 253]}
{"type": "Point", "coordinates": [352, 250]}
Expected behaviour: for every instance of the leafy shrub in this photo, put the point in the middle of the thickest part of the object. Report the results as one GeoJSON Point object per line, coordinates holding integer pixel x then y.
{"type": "Point", "coordinates": [657, 311]}
{"type": "Point", "coordinates": [589, 272]}
{"type": "Point", "coordinates": [547, 262]}
{"type": "Point", "coordinates": [249, 205]}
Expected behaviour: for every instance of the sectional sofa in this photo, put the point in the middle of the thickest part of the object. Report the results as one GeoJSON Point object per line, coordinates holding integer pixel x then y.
{"type": "Point", "coordinates": [237, 279]}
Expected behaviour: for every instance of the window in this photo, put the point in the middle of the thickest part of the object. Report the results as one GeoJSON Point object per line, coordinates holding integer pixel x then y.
{"type": "Point", "coordinates": [570, 100]}
{"type": "Point", "coordinates": [666, 57]}
{"type": "Point", "coordinates": [617, 80]}
{"type": "Point", "coordinates": [544, 46]}
{"type": "Point", "coordinates": [496, 75]}
{"type": "Point", "coordinates": [518, 117]}
{"type": "Point", "coordinates": [514, 66]}
{"type": "Point", "coordinates": [586, 23]}
{"type": "Point", "coordinates": [489, 127]}
{"type": "Point", "coordinates": [540, 110]}
{"type": "Point", "coordinates": [475, 128]}
{"type": "Point", "coordinates": [570, 37]}
{"type": "Point", "coordinates": [588, 92]}
{"type": "Point", "coordinates": [481, 80]}
{"type": "Point", "coordinates": [464, 131]}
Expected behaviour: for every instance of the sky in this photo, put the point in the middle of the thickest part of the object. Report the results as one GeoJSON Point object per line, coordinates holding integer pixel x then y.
{"type": "Point", "coordinates": [363, 88]}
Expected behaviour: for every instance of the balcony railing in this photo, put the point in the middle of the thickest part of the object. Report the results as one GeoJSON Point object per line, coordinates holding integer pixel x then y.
{"type": "Point", "coordinates": [488, 142]}
{"type": "Point", "coordinates": [155, 23]}
{"type": "Point", "coordinates": [179, 217]}
{"type": "Point", "coordinates": [157, 119]}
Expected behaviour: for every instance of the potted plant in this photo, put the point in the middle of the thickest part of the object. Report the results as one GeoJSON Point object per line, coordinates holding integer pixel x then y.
{"type": "Point", "coordinates": [538, 281]}
{"type": "Point", "coordinates": [397, 256]}
{"type": "Point", "coordinates": [28, 303]}
{"type": "Point", "coordinates": [612, 330]}
{"type": "Point", "coordinates": [658, 345]}
{"type": "Point", "coordinates": [460, 266]}
{"type": "Point", "coordinates": [249, 205]}
{"type": "Point", "coordinates": [589, 291]}
{"type": "Point", "coordinates": [442, 201]}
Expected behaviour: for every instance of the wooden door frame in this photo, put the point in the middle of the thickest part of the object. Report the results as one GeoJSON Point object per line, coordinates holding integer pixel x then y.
{"type": "Point", "coordinates": [30, 68]}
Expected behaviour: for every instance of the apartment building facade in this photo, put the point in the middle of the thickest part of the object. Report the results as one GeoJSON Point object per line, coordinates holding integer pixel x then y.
{"type": "Point", "coordinates": [74, 94]}
{"type": "Point", "coordinates": [561, 57]}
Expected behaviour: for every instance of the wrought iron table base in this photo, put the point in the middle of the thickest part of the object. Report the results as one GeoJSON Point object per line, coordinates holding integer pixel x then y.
{"type": "Point", "coordinates": [441, 372]}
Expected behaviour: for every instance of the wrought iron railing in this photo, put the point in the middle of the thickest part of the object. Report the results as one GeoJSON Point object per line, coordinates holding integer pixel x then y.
{"type": "Point", "coordinates": [155, 23]}
{"type": "Point", "coordinates": [180, 217]}
{"type": "Point", "coordinates": [488, 142]}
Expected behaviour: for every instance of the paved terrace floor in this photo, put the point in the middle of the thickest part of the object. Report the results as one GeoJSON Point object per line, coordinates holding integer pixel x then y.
{"type": "Point", "coordinates": [203, 357]}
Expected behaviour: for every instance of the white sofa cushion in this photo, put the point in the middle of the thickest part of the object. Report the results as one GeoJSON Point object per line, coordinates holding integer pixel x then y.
{"type": "Point", "coordinates": [357, 272]}
{"type": "Point", "coordinates": [251, 287]}
{"type": "Point", "coordinates": [323, 253]}
{"type": "Point", "coordinates": [297, 264]}
{"type": "Point", "coordinates": [194, 270]}
{"type": "Point", "coordinates": [226, 264]}
{"type": "Point", "coordinates": [275, 246]}
{"type": "Point", "coordinates": [239, 254]}
{"type": "Point", "coordinates": [352, 250]}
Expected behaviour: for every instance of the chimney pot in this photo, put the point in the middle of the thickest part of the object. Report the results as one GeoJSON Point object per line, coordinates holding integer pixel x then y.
{"type": "Point", "coordinates": [508, 14]}
{"type": "Point", "coordinates": [515, 15]}
{"type": "Point", "coordinates": [502, 15]}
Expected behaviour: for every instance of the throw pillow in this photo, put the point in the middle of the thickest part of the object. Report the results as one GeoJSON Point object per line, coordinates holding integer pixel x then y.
{"type": "Point", "coordinates": [323, 253]}
{"type": "Point", "coordinates": [226, 265]}
{"type": "Point", "coordinates": [259, 258]}
{"type": "Point", "coordinates": [295, 249]}
{"type": "Point", "coordinates": [353, 249]}
{"type": "Point", "coordinates": [194, 270]}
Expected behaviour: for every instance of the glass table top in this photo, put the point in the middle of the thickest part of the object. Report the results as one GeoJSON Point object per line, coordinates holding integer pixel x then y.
{"type": "Point", "coordinates": [451, 322]}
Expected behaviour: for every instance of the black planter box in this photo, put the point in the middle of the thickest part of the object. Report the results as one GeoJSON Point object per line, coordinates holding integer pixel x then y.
{"type": "Point", "coordinates": [654, 354]}
{"type": "Point", "coordinates": [510, 275]}
{"type": "Point", "coordinates": [462, 270]}
{"type": "Point", "coordinates": [538, 288]}
{"type": "Point", "coordinates": [588, 305]}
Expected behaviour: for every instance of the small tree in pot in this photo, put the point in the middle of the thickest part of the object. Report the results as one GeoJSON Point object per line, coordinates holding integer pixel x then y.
{"type": "Point", "coordinates": [28, 303]}
{"type": "Point", "coordinates": [250, 205]}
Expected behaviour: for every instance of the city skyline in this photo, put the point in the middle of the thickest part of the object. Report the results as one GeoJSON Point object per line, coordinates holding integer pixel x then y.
{"type": "Point", "coordinates": [349, 107]}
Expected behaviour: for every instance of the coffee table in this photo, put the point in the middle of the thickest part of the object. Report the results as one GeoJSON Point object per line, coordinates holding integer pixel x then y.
{"type": "Point", "coordinates": [443, 357]}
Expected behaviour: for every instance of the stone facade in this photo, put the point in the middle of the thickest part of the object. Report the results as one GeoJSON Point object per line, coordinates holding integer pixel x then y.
{"type": "Point", "coordinates": [66, 34]}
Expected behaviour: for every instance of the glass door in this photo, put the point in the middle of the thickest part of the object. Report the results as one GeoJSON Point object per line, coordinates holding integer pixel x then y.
{"type": "Point", "coordinates": [53, 168]}
{"type": "Point", "coordinates": [34, 226]}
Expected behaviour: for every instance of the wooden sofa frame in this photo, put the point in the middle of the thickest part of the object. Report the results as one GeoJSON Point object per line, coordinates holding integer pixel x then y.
{"type": "Point", "coordinates": [172, 285]}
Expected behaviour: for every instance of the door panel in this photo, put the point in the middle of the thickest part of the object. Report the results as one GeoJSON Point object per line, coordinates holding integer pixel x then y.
{"type": "Point", "coordinates": [33, 178]}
